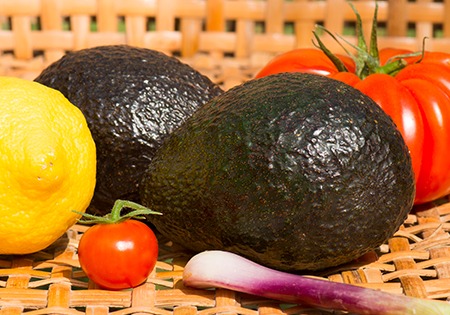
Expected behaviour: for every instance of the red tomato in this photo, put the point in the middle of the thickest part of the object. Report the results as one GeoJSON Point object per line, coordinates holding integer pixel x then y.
{"type": "Point", "coordinates": [306, 60]}
{"type": "Point", "coordinates": [430, 56]}
{"type": "Point", "coordinates": [399, 103]}
{"type": "Point", "coordinates": [434, 174]}
{"type": "Point", "coordinates": [347, 77]}
{"type": "Point", "coordinates": [118, 255]}
{"type": "Point", "coordinates": [417, 98]}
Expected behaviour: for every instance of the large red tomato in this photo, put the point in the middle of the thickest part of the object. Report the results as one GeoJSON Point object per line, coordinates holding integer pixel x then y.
{"type": "Point", "coordinates": [308, 60]}
{"type": "Point", "coordinates": [416, 96]}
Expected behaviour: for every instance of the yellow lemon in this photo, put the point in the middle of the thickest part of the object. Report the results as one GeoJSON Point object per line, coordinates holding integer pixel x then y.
{"type": "Point", "coordinates": [47, 165]}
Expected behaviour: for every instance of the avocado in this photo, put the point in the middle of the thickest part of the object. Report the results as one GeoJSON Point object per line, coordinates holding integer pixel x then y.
{"type": "Point", "coordinates": [132, 99]}
{"type": "Point", "coordinates": [294, 171]}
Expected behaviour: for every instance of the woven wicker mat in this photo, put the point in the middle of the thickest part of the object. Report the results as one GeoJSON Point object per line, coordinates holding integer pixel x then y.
{"type": "Point", "coordinates": [415, 262]}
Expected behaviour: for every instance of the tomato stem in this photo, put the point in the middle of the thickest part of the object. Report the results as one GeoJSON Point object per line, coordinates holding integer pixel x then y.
{"type": "Point", "coordinates": [115, 215]}
{"type": "Point", "coordinates": [393, 67]}
{"type": "Point", "coordinates": [336, 61]}
{"type": "Point", "coordinates": [374, 52]}
{"type": "Point", "coordinates": [367, 60]}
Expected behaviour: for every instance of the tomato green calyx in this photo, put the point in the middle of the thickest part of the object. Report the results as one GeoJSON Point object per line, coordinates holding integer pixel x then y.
{"type": "Point", "coordinates": [115, 215]}
{"type": "Point", "coordinates": [367, 59]}
{"type": "Point", "coordinates": [393, 67]}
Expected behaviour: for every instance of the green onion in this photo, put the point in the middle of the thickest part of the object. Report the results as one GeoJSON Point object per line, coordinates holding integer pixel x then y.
{"type": "Point", "coordinates": [222, 269]}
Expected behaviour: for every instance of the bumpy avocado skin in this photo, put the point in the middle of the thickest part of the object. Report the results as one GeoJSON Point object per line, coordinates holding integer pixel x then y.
{"type": "Point", "coordinates": [294, 171]}
{"type": "Point", "coordinates": [132, 99]}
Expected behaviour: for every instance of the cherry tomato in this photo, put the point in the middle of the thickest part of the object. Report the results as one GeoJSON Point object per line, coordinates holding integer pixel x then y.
{"type": "Point", "coordinates": [118, 252]}
{"type": "Point", "coordinates": [118, 255]}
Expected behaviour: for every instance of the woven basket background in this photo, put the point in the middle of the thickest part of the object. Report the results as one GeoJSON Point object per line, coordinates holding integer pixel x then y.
{"type": "Point", "coordinates": [228, 40]}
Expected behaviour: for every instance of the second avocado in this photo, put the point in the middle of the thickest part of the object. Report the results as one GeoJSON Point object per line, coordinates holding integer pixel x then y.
{"type": "Point", "coordinates": [132, 98]}
{"type": "Point", "coordinates": [294, 171]}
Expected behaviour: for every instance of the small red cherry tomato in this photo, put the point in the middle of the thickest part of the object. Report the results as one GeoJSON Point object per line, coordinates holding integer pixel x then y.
{"type": "Point", "coordinates": [118, 255]}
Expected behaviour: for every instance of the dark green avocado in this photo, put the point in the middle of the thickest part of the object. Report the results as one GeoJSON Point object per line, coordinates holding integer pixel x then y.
{"type": "Point", "coordinates": [132, 99]}
{"type": "Point", "coordinates": [294, 171]}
